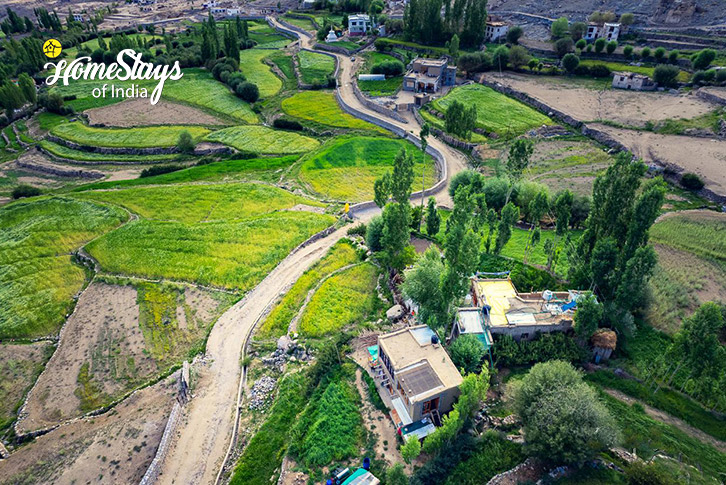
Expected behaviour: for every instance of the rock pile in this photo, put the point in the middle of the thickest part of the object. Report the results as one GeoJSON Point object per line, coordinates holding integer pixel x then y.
{"type": "Point", "coordinates": [287, 350]}
{"type": "Point", "coordinates": [261, 393]}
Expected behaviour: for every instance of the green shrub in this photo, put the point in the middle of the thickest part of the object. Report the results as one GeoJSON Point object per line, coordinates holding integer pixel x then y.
{"type": "Point", "coordinates": [548, 346]}
{"type": "Point", "coordinates": [389, 68]}
{"type": "Point", "coordinates": [22, 191]}
{"type": "Point", "coordinates": [691, 181]}
{"type": "Point", "coordinates": [160, 169]}
{"type": "Point", "coordinates": [666, 75]}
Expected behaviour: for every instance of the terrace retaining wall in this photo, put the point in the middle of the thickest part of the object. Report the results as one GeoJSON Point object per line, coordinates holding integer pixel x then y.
{"type": "Point", "coordinates": [152, 473]}
{"type": "Point", "coordinates": [292, 27]}
{"type": "Point", "coordinates": [113, 151]}
{"type": "Point", "coordinates": [448, 139]}
{"type": "Point", "coordinates": [711, 98]}
{"type": "Point", "coordinates": [374, 106]}
{"type": "Point", "coordinates": [59, 171]}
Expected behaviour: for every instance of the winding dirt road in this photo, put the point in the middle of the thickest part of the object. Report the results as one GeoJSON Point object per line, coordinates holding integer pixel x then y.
{"type": "Point", "coordinates": [198, 450]}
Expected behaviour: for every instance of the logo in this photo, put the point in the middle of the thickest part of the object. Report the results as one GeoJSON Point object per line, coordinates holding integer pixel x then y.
{"type": "Point", "coordinates": [52, 48]}
{"type": "Point", "coordinates": [128, 67]}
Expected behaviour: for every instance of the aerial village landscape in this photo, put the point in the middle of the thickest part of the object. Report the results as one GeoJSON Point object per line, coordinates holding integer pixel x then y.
{"type": "Point", "coordinates": [360, 242]}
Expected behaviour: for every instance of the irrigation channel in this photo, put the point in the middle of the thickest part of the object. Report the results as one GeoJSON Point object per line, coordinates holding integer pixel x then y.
{"type": "Point", "coordinates": [207, 430]}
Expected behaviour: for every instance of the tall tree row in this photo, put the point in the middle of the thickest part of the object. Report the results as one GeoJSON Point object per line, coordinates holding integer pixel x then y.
{"type": "Point", "coordinates": [464, 18]}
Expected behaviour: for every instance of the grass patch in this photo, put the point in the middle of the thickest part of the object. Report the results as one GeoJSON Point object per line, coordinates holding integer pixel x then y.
{"type": "Point", "coordinates": [493, 455]}
{"type": "Point", "coordinates": [346, 168]}
{"type": "Point", "coordinates": [233, 255]}
{"type": "Point", "coordinates": [37, 277]}
{"type": "Point", "coordinates": [706, 234]}
{"type": "Point", "coordinates": [496, 112]}
{"type": "Point", "coordinates": [83, 156]}
{"type": "Point", "coordinates": [201, 203]}
{"type": "Point", "coordinates": [277, 322]}
{"type": "Point", "coordinates": [393, 43]}
{"type": "Point", "coordinates": [647, 436]}
{"type": "Point", "coordinates": [303, 23]}
{"type": "Point", "coordinates": [321, 107]}
{"type": "Point", "coordinates": [381, 88]}
{"type": "Point", "coordinates": [262, 169]}
{"type": "Point", "coordinates": [261, 139]}
{"type": "Point", "coordinates": [143, 137]}
{"type": "Point", "coordinates": [258, 72]}
{"type": "Point", "coordinates": [262, 457]}
{"type": "Point", "coordinates": [160, 307]}
{"type": "Point", "coordinates": [515, 248]}
{"type": "Point", "coordinates": [345, 44]}
{"type": "Point", "coordinates": [330, 428]}
{"type": "Point", "coordinates": [314, 67]}
{"type": "Point", "coordinates": [284, 62]}
{"type": "Point", "coordinates": [343, 299]}
{"type": "Point", "coordinates": [666, 400]}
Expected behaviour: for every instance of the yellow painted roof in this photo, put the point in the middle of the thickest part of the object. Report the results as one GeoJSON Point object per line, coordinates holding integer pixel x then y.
{"type": "Point", "coordinates": [497, 294]}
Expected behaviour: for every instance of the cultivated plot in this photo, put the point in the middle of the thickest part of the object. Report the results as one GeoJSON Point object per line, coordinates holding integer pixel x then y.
{"type": "Point", "coordinates": [321, 107]}
{"type": "Point", "coordinates": [260, 139]}
{"type": "Point", "coordinates": [346, 168]}
{"type": "Point", "coordinates": [37, 276]}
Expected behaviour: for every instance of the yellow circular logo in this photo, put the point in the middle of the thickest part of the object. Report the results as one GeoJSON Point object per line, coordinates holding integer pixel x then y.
{"type": "Point", "coordinates": [52, 48]}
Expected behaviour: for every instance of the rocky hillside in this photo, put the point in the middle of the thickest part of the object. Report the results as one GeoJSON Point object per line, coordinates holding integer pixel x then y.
{"type": "Point", "coordinates": [649, 13]}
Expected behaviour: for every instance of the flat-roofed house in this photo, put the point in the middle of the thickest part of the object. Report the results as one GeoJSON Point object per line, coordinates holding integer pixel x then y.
{"type": "Point", "coordinates": [359, 24]}
{"type": "Point", "coordinates": [429, 75]}
{"type": "Point", "coordinates": [505, 311]}
{"type": "Point", "coordinates": [631, 80]}
{"type": "Point", "coordinates": [495, 30]}
{"type": "Point", "coordinates": [420, 377]}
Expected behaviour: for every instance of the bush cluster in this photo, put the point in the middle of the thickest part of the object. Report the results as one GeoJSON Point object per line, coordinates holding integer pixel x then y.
{"type": "Point", "coordinates": [390, 68]}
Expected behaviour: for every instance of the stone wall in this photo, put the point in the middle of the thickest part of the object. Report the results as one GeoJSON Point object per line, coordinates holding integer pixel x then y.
{"type": "Point", "coordinates": [152, 473]}
{"type": "Point", "coordinates": [711, 98]}
{"type": "Point", "coordinates": [375, 106]}
{"type": "Point", "coordinates": [58, 171]}
{"type": "Point", "coordinates": [448, 139]}
{"type": "Point", "coordinates": [292, 27]}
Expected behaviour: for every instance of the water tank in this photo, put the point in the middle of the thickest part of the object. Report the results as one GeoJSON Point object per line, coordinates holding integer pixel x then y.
{"type": "Point", "coordinates": [547, 295]}
{"type": "Point", "coordinates": [434, 339]}
{"type": "Point", "coordinates": [366, 463]}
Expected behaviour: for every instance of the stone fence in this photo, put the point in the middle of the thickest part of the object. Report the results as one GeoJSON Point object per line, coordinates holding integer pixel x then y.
{"type": "Point", "coordinates": [290, 26]}
{"type": "Point", "coordinates": [152, 473]}
{"type": "Point", "coordinates": [374, 106]}
{"type": "Point", "coordinates": [58, 171]}
{"type": "Point", "coordinates": [711, 98]}
{"type": "Point", "coordinates": [448, 139]}
{"type": "Point", "coordinates": [113, 151]}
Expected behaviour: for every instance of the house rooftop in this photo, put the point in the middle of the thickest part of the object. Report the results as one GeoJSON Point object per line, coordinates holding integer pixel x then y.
{"type": "Point", "coordinates": [497, 23]}
{"type": "Point", "coordinates": [631, 75]}
{"type": "Point", "coordinates": [507, 307]}
{"type": "Point", "coordinates": [422, 367]}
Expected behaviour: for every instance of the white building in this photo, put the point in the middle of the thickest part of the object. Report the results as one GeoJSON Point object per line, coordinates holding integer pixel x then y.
{"type": "Point", "coordinates": [359, 24]}
{"type": "Point", "coordinates": [77, 17]}
{"type": "Point", "coordinates": [496, 31]}
{"type": "Point", "coordinates": [608, 31]}
{"type": "Point", "coordinates": [218, 10]}
{"type": "Point", "coordinates": [635, 82]}
{"type": "Point", "coordinates": [232, 12]}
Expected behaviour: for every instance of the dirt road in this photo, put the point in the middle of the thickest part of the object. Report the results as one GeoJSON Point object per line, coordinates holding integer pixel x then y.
{"type": "Point", "coordinates": [199, 447]}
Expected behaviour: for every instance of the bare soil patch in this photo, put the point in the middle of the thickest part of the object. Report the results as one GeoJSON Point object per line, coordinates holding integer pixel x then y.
{"type": "Point", "coordinates": [705, 157]}
{"type": "Point", "coordinates": [20, 365]}
{"type": "Point", "coordinates": [625, 107]}
{"type": "Point", "coordinates": [115, 447]}
{"type": "Point", "coordinates": [102, 334]}
{"type": "Point", "coordinates": [139, 112]}
{"type": "Point", "coordinates": [307, 208]}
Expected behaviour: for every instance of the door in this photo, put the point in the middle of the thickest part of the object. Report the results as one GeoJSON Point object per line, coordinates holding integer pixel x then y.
{"type": "Point", "coordinates": [429, 406]}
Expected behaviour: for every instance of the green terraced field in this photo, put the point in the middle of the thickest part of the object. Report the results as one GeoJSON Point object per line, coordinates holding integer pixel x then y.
{"type": "Point", "coordinates": [321, 107]}
{"type": "Point", "coordinates": [200, 203]}
{"type": "Point", "coordinates": [260, 139]}
{"type": "Point", "coordinates": [256, 71]}
{"type": "Point", "coordinates": [37, 277]}
{"type": "Point", "coordinates": [346, 168]}
{"type": "Point", "coordinates": [315, 68]}
{"type": "Point", "coordinates": [277, 322]}
{"type": "Point", "coordinates": [80, 155]}
{"type": "Point", "coordinates": [262, 169]}
{"type": "Point", "coordinates": [496, 112]}
{"type": "Point", "coordinates": [343, 299]}
{"type": "Point", "coordinates": [143, 137]}
{"type": "Point", "coordinates": [234, 255]}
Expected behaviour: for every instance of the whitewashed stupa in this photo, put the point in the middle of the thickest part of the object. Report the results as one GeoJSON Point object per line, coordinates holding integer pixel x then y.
{"type": "Point", "coordinates": [331, 36]}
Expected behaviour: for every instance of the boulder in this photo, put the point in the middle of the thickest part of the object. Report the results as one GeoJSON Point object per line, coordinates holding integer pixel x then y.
{"type": "Point", "coordinates": [394, 313]}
